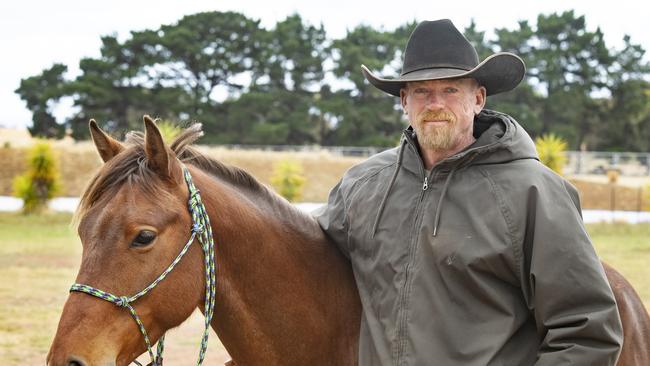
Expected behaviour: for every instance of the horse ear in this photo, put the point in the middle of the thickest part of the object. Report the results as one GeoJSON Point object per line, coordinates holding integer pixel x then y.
{"type": "Point", "coordinates": [159, 157]}
{"type": "Point", "coordinates": [107, 146]}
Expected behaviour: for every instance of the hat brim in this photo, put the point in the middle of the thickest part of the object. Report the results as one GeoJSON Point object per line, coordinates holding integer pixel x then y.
{"type": "Point", "coordinates": [498, 73]}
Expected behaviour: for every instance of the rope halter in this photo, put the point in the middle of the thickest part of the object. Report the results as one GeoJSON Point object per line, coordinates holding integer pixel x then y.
{"type": "Point", "coordinates": [202, 231]}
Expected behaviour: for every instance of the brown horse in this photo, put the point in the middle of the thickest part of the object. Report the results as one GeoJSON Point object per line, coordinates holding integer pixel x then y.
{"type": "Point", "coordinates": [283, 290]}
{"type": "Point", "coordinates": [636, 322]}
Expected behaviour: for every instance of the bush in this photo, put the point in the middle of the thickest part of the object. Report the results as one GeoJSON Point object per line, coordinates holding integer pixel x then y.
{"type": "Point", "coordinates": [552, 151]}
{"type": "Point", "coordinates": [287, 179]}
{"type": "Point", "coordinates": [41, 181]}
{"type": "Point", "coordinates": [168, 130]}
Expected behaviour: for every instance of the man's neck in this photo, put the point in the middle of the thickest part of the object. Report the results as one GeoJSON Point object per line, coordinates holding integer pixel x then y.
{"type": "Point", "coordinates": [432, 157]}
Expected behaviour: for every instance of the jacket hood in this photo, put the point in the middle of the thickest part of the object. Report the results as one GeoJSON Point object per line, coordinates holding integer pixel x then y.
{"type": "Point", "coordinates": [499, 139]}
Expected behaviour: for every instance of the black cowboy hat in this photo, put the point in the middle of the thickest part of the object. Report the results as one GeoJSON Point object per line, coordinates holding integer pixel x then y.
{"type": "Point", "coordinates": [437, 50]}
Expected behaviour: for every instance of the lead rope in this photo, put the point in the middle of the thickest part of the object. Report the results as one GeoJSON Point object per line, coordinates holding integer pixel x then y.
{"type": "Point", "coordinates": [201, 230]}
{"type": "Point", "coordinates": [201, 218]}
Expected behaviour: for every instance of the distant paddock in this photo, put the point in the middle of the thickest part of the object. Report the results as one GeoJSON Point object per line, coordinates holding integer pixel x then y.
{"type": "Point", "coordinates": [322, 168]}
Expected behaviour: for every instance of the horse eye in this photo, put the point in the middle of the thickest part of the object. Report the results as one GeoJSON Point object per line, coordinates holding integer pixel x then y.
{"type": "Point", "coordinates": [145, 237]}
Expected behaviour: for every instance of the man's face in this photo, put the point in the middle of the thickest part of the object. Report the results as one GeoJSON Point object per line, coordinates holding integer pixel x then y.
{"type": "Point", "coordinates": [442, 112]}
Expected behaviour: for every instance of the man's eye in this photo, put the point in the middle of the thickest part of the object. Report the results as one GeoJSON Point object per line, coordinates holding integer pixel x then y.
{"type": "Point", "coordinates": [451, 90]}
{"type": "Point", "coordinates": [144, 238]}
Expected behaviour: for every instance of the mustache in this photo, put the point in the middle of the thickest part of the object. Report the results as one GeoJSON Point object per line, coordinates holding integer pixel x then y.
{"type": "Point", "coordinates": [437, 115]}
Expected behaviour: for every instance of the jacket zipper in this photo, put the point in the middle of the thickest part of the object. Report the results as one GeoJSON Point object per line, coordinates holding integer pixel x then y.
{"type": "Point", "coordinates": [402, 313]}
{"type": "Point", "coordinates": [403, 298]}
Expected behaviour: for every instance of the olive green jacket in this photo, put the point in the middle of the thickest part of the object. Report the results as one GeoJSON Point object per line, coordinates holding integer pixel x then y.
{"type": "Point", "coordinates": [484, 261]}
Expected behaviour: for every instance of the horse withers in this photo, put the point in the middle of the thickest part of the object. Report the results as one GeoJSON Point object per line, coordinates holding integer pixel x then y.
{"type": "Point", "coordinates": [284, 294]}
{"type": "Point", "coordinates": [283, 290]}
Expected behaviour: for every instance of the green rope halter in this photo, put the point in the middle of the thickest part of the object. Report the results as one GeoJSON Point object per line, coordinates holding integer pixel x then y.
{"type": "Point", "coordinates": [202, 230]}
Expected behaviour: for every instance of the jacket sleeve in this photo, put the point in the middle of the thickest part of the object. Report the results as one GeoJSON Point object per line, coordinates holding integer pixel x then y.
{"type": "Point", "coordinates": [565, 284]}
{"type": "Point", "coordinates": [332, 219]}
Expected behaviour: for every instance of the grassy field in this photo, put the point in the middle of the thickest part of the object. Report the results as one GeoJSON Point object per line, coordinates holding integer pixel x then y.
{"type": "Point", "coordinates": [39, 256]}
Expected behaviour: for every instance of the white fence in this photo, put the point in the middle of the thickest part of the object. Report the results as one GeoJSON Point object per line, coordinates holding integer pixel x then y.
{"type": "Point", "coordinates": [69, 204]}
{"type": "Point", "coordinates": [579, 162]}
{"type": "Point", "coordinates": [599, 162]}
{"type": "Point", "coordinates": [336, 150]}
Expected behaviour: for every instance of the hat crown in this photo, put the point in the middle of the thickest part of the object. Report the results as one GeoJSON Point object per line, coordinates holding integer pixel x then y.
{"type": "Point", "coordinates": [438, 44]}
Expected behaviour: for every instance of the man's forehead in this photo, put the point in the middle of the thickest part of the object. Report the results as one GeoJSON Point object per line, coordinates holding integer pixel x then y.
{"type": "Point", "coordinates": [461, 81]}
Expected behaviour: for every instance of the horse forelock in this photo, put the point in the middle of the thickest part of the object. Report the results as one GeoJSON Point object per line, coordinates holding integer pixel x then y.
{"type": "Point", "coordinates": [127, 168]}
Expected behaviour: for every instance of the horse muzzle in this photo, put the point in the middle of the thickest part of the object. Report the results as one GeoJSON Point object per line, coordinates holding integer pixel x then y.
{"type": "Point", "coordinates": [68, 360]}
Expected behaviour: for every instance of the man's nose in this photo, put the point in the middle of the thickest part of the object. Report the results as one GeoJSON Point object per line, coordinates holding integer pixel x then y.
{"type": "Point", "coordinates": [434, 101]}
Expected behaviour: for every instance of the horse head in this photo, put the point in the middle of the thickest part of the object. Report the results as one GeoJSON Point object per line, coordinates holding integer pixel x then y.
{"type": "Point", "coordinates": [133, 221]}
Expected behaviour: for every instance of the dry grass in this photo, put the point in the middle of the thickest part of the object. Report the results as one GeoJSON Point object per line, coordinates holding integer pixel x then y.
{"type": "Point", "coordinates": [78, 162]}
{"type": "Point", "coordinates": [321, 169]}
{"type": "Point", "coordinates": [606, 196]}
{"type": "Point", "coordinates": [13, 164]}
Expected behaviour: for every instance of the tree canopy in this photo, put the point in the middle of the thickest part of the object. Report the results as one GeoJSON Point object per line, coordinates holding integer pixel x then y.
{"type": "Point", "coordinates": [291, 84]}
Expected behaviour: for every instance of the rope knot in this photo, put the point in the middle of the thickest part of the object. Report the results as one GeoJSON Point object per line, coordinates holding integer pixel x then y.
{"type": "Point", "coordinates": [197, 228]}
{"type": "Point", "coordinates": [123, 302]}
{"type": "Point", "coordinates": [194, 193]}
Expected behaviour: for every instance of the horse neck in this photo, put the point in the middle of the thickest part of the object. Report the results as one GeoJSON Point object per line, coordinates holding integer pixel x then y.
{"type": "Point", "coordinates": [276, 276]}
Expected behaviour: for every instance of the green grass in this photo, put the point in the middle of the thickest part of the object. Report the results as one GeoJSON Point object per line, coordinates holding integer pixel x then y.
{"type": "Point", "coordinates": [39, 257]}
{"type": "Point", "coordinates": [626, 247]}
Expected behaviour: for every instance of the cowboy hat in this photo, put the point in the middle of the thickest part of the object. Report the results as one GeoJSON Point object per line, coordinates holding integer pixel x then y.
{"type": "Point", "coordinates": [437, 50]}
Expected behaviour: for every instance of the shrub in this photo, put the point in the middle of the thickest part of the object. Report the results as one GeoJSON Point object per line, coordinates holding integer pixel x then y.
{"type": "Point", "coordinates": [287, 179]}
{"type": "Point", "coordinates": [552, 151]}
{"type": "Point", "coordinates": [168, 130]}
{"type": "Point", "coordinates": [41, 181]}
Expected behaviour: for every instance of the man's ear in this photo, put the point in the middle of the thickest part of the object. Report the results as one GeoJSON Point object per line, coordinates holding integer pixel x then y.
{"type": "Point", "coordinates": [107, 147]}
{"type": "Point", "coordinates": [402, 99]}
{"type": "Point", "coordinates": [481, 98]}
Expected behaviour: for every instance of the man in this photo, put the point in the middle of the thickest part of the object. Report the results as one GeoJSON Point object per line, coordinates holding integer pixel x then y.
{"type": "Point", "coordinates": [465, 248]}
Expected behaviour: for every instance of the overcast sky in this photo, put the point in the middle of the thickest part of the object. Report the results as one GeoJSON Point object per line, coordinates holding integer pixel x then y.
{"type": "Point", "coordinates": [35, 34]}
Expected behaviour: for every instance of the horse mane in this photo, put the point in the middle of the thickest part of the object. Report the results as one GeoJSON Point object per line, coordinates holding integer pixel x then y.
{"type": "Point", "coordinates": [189, 154]}
{"type": "Point", "coordinates": [130, 167]}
